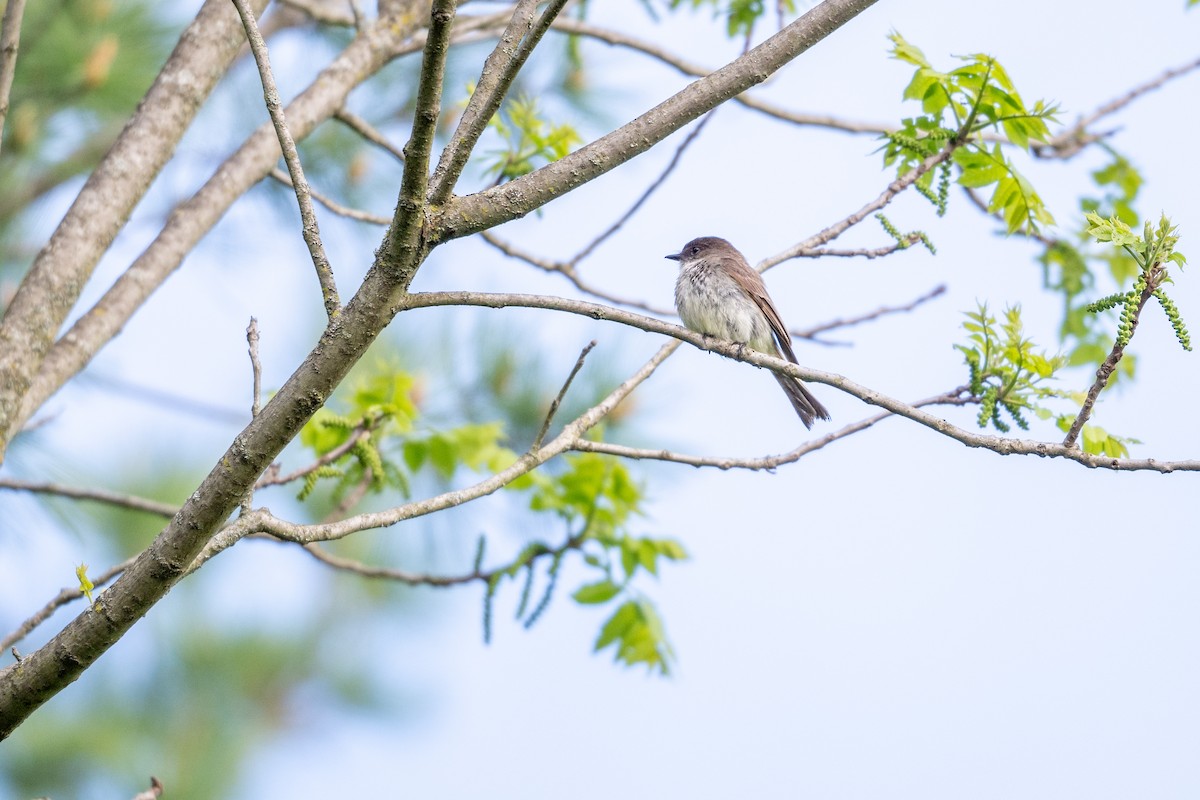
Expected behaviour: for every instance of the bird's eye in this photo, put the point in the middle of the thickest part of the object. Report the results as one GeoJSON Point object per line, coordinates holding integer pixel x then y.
{"type": "Point", "coordinates": [695, 250]}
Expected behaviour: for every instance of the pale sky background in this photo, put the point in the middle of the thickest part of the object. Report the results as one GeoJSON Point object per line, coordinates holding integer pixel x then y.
{"type": "Point", "coordinates": [895, 616]}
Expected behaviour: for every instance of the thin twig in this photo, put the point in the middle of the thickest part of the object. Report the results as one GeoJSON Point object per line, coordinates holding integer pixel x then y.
{"type": "Point", "coordinates": [255, 366]}
{"type": "Point", "coordinates": [10, 42]}
{"type": "Point", "coordinates": [1104, 373]}
{"type": "Point", "coordinates": [537, 442]}
{"type": "Point", "coordinates": [674, 162]}
{"type": "Point", "coordinates": [308, 217]}
{"type": "Point", "coordinates": [333, 205]}
{"type": "Point", "coordinates": [516, 44]}
{"type": "Point", "coordinates": [61, 599]}
{"type": "Point", "coordinates": [368, 131]}
{"type": "Point", "coordinates": [764, 463]}
{"type": "Point", "coordinates": [847, 322]}
{"type": "Point", "coordinates": [841, 226]}
{"type": "Point", "coordinates": [580, 28]}
{"type": "Point", "coordinates": [568, 272]}
{"type": "Point", "coordinates": [1075, 138]}
{"type": "Point", "coordinates": [256, 400]}
{"type": "Point", "coordinates": [863, 252]}
{"type": "Point", "coordinates": [118, 499]}
{"type": "Point", "coordinates": [274, 479]}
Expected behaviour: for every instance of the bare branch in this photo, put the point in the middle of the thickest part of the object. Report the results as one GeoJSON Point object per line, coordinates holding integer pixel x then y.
{"type": "Point", "coordinates": [403, 242]}
{"type": "Point", "coordinates": [997, 444]}
{"type": "Point", "coordinates": [255, 366]}
{"type": "Point", "coordinates": [10, 42]}
{"type": "Point", "coordinates": [537, 442]}
{"type": "Point", "coordinates": [87, 493]}
{"type": "Point", "coordinates": [651, 189]}
{"type": "Point", "coordinates": [516, 44]}
{"type": "Point", "coordinates": [568, 272]}
{"type": "Point", "coordinates": [308, 216]}
{"type": "Point", "coordinates": [767, 463]}
{"type": "Point", "coordinates": [580, 28]}
{"type": "Point", "coordinates": [368, 132]}
{"type": "Point", "coordinates": [1075, 138]}
{"type": "Point", "coordinates": [886, 196]}
{"type": "Point", "coordinates": [847, 322]}
{"type": "Point", "coordinates": [464, 216]}
{"type": "Point", "coordinates": [256, 402]}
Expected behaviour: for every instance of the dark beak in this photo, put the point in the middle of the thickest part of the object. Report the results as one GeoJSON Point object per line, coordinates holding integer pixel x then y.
{"type": "Point", "coordinates": [675, 257]}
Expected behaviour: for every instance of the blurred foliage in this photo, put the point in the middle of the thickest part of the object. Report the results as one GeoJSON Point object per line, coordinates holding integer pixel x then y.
{"type": "Point", "coordinates": [83, 67]}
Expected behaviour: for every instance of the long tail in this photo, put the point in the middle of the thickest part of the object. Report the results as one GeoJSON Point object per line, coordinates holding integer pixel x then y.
{"type": "Point", "coordinates": [807, 407]}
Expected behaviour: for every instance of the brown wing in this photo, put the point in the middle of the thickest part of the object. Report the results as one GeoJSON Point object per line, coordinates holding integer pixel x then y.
{"type": "Point", "coordinates": [751, 283]}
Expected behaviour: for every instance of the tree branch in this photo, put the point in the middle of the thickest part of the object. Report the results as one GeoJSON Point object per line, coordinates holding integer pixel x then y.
{"type": "Point", "coordinates": [516, 44]}
{"type": "Point", "coordinates": [574, 27]}
{"type": "Point", "coordinates": [10, 42]}
{"type": "Point", "coordinates": [1075, 138]}
{"type": "Point", "coordinates": [264, 521]}
{"type": "Point", "coordinates": [60, 270]}
{"type": "Point", "coordinates": [467, 215]}
{"type": "Point", "coordinates": [767, 463]}
{"type": "Point", "coordinates": [118, 499]}
{"type": "Point", "coordinates": [997, 444]}
{"type": "Point", "coordinates": [308, 216]}
{"type": "Point", "coordinates": [537, 441]}
{"type": "Point", "coordinates": [61, 599]}
{"type": "Point", "coordinates": [1104, 373]}
{"type": "Point", "coordinates": [847, 322]}
{"type": "Point", "coordinates": [402, 244]}
{"type": "Point", "coordinates": [189, 222]}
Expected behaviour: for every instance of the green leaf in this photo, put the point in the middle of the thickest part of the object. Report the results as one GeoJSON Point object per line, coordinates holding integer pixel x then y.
{"type": "Point", "coordinates": [595, 593]}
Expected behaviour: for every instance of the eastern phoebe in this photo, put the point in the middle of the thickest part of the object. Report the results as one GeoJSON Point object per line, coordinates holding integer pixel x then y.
{"type": "Point", "coordinates": [719, 294]}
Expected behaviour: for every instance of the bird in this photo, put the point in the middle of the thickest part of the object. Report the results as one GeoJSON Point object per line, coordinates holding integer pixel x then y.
{"type": "Point", "coordinates": [719, 294]}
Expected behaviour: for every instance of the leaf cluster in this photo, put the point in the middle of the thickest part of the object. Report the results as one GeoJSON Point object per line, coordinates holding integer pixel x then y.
{"type": "Point", "coordinates": [596, 499]}
{"type": "Point", "coordinates": [957, 107]}
{"type": "Point", "coordinates": [1005, 371]}
{"type": "Point", "coordinates": [1152, 252]}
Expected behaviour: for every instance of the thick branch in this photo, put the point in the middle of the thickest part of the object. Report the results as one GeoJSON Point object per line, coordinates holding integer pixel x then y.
{"type": "Point", "coordinates": [192, 220]}
{"type": "Point", "coordinates": [10, 41]}
{"type": "Point", "coordinates": [102, 207]}
{"type": "Point", "coordinates": [467, 215]}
